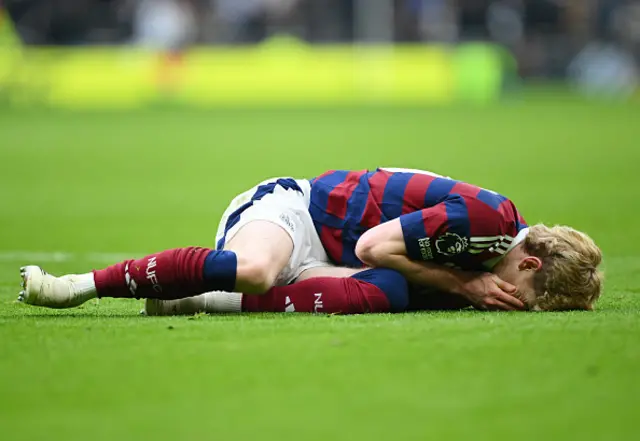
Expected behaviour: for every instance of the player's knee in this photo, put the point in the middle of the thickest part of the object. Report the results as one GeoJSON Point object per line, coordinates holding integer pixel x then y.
{"type": "Point", "coordinates": [256, 276]}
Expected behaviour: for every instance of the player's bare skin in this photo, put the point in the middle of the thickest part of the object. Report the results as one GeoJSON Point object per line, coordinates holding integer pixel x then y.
{"type": "Point", "coordinates": [262, 249]}
{"type": "Point", "coordinates": [328, 271]}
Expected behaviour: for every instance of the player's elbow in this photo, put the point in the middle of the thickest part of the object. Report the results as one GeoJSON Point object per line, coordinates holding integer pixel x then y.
{"type": "Point", "coordinates": [370, 250]}
{"type": "Point", "coordinates": [380, 245]}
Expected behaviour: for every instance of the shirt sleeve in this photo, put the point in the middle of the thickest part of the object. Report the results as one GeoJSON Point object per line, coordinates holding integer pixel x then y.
{"type": "Point", "coordinates": [458, 229]}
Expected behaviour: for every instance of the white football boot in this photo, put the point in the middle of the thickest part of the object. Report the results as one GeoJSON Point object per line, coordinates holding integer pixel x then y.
{"type": "Point", "coordinates": [209, 302]}
{"type": "Point", "coordinates": [42, 289]}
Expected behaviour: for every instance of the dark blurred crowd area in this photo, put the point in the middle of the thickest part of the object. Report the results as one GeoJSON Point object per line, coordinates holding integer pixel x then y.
{"type": "Point", "coordinates": [545, 36]}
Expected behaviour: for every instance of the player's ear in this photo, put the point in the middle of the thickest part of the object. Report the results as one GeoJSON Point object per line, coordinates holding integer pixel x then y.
{"type": "Point", "coordinates": [531, 263]}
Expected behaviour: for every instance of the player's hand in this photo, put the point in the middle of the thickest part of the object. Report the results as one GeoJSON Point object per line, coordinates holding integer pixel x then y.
{"type": "Point", "coordinates": [489, 292]}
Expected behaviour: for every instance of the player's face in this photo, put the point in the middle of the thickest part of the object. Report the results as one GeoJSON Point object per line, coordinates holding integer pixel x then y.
{"type": "Point", "coordinates": [526, 293]}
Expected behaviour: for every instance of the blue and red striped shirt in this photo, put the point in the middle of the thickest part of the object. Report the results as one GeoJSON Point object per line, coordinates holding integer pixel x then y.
{"type": "Point", "coordinates": [443, 220]}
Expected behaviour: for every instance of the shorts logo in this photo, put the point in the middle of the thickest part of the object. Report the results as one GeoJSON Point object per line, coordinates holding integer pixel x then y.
{"type": "Point", "coordinates": [288, 222]}
{"type": "Point", "coordinates": [450, 244]}
{"type": "Point", "coordinates": [425, 248]}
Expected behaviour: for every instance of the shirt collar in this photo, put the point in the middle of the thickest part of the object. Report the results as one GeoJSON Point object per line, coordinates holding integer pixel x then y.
{"type": "Point", "coordinates": [522, 234]}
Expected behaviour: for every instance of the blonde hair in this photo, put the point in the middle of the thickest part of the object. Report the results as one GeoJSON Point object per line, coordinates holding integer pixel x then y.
{"type": "Point", "coordinates": [569, 277]}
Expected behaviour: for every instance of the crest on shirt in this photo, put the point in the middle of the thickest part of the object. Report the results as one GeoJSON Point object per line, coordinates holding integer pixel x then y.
{"type": "Point", "coordinates": [450, 244]}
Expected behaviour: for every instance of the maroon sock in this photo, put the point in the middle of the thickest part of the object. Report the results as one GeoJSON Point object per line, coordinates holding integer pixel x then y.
{"type": "Point", "coordinates": [321, 294]}
{"type": "Point", "coordinates": [166, 275]}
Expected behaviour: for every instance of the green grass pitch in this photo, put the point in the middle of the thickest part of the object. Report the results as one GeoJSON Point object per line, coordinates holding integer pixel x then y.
{"type": "Point", "coordinates": [78, 190]}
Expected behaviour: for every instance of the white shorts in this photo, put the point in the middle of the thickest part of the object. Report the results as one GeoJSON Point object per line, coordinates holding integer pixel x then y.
{"type": "Point", "coordinates": [284, 202]}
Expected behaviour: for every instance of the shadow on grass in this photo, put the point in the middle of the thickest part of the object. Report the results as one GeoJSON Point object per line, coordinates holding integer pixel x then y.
{"type": "Point", "coordinates": [272, 316]}
{"type": "Point", "coordinates": [279, 316]}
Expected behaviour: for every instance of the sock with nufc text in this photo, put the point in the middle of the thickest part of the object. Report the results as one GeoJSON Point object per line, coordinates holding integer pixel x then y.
{"type": "Point", "coordinates": [378, 290]}
{"type": "Point", "coordinates": [171, 274]}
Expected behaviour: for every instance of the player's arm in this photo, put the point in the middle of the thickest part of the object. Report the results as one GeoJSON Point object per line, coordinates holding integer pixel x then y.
{"type": "Point", "coordinates": [406, 245]}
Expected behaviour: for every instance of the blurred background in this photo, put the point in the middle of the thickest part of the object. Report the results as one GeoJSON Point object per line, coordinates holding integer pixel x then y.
{"type": "Point", "coordinates": [444, 49]}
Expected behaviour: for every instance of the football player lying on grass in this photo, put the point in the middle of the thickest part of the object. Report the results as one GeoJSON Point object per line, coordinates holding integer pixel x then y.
{"type": "Point", "coordinates": [438, 233]}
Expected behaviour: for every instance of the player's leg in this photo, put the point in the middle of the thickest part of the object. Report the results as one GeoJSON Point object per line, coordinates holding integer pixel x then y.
{"type": "Point", "coordinates": [327, 271]}
{"type": "Point", "coordinates": [168, 274]}
{"type": "Point", "coordinates": [251, 263]}
{"type": "Point", "coordinates": [369, 291]}
{"type": "Point", "coordinates": [220, 301]}
{"type": "Point", "coordinates": [373, 290]}
{"type": "Point", "coordinates": [258, 232]}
